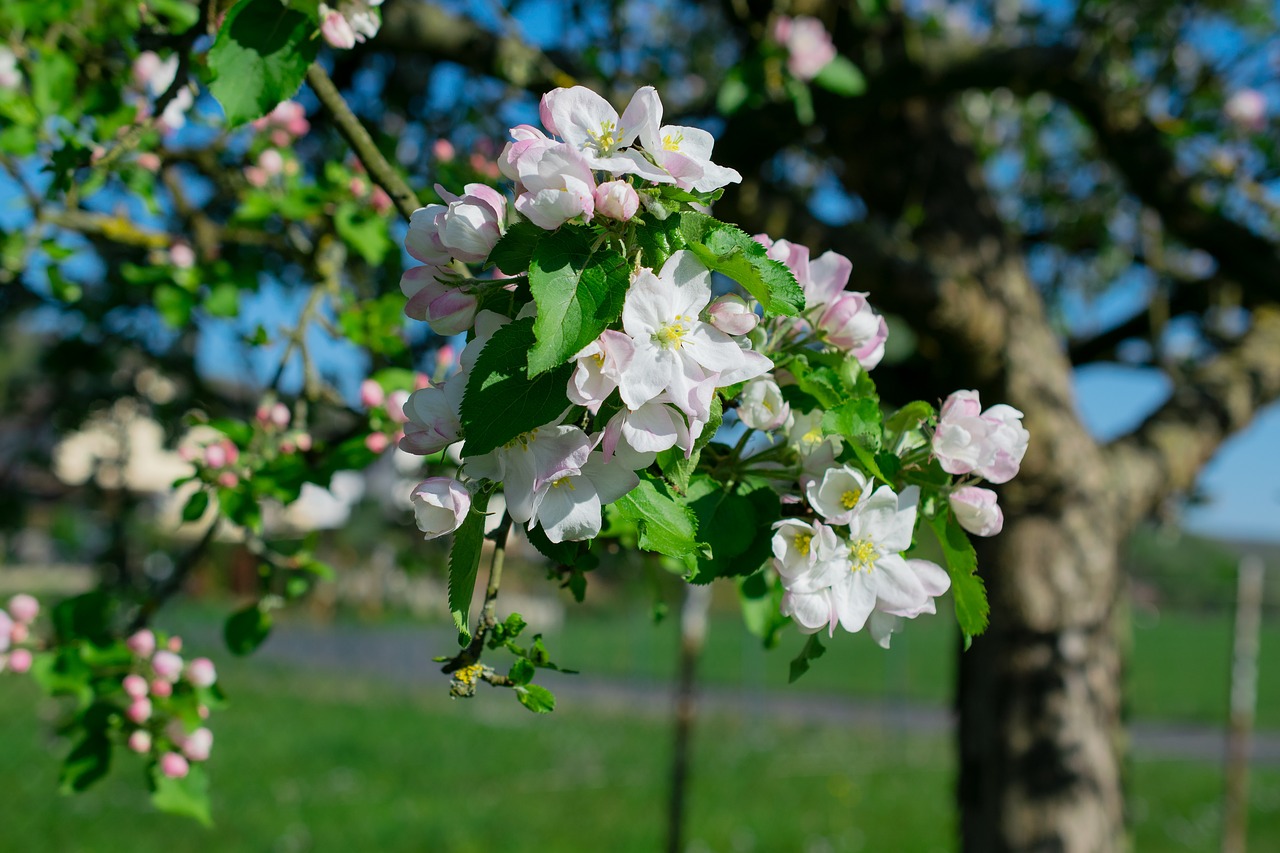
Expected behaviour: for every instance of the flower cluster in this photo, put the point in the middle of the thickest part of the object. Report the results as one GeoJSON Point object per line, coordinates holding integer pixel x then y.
{"type": "Point", "coordinates": [166, 701]}
{"type": "Point", "coordinates": [352, 22]}
{"type": "Point", "coordinates": [602, 354]}
{"type": "Point", "coordinates": [807, 42]}
{"type": "Point", "coordinates": [15, 633]}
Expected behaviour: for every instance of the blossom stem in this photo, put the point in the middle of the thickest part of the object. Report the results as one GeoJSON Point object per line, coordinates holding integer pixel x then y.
{"type": "Point", "coordinates": [382, 172]}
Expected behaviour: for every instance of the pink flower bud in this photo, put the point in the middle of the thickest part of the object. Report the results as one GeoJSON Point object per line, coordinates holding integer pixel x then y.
{"type": "Point", "coordinates": [336, 30]}
{"type": "Point", "coordinates": [201, 672]}
{"type": "Point", "coordinates": [271, 162]}
{"type": "Point", "coordinates": [850, 324]}
{"type": "Point", "coordinates": [256, 176]}
{"type": "Point", "coordinates": [443, 150]}
{"type": "Point", "coordinates": [161, 689]}
{"type": "Point", "coordinates": [187, 453]}
{"type": "Point", "coordinates": [215, 456]}
{"type": "Point", "coordinates": [135, 686]}
{"type": "Point", "coordinates": [203, 712]}
{"type": "Point", "coordinates": [357, 186]}
{"type": "Point", "coordinates": [1247, 110]}
{"type": "Point", "coordinates": [198, 745]}
{"type": "Point", "coordinates": [287, 447]}
{"type": "Point", "coordinates": [977, 511]}
{"type": "Point", "coordinates": [139, 710]}
{"type": "Point", "coordinates": [140, 741]}
{"type": "Point", "coordinates": [395, 406]}
{"type": "Point", "coordinates": [371, 394]}
{"type": "Point", "coordinates": [444, 306]}
{"type": "Point", "coordinates": [174, 766]}
{"type": "Point", "coordinates": [167, 665]}
{"type": "Point", "coordinates": [182, 256]}
{"type": "Point", "coordinates": [24, 608]}
{"type": "Point", "coordinates": [228, 480]}
{"type": "Point", "coordinates": [440, 505]}
{"type": "Point", "coordinates": [142, 644]}
{"type": "Point", "coordinates": [303, 440]}
{"type": "Point", "coordinates": [377, 442]}
{"type": "Point", "coordinates": [174, 644]}
{"type": "Point", "coordinates": [280, 415]}
{"type": "Point", "coordinates": [732, 315]}
{"type": "Point", "coordinates": [19, 633]}
{"type": "Point", "coordinates": [149, 160]}
{"type": "Point", "coordinates": [380, 201]}
{"type": "Point", "coordinates": [444, 357]}
{"type": "Point", "coordinates": [20, 660]}
{"type": "Point", "coordinates": [616, 200]}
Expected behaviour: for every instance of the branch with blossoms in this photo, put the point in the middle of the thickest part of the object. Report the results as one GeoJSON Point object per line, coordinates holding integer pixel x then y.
{"type": "Point", "coordinates": [604, 358]}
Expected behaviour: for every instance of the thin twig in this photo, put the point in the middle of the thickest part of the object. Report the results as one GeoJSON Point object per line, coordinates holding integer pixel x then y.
{"type": "Point", "coordinates": [167, 588]}
{"type": "Point", "coordinates": [381, 171]}
{"type": "Point", "coordinates": [470, 656]}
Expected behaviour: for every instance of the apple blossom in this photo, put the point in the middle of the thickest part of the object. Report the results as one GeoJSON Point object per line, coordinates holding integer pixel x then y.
{"type": "Point", "coordinates": [351, 23]}
{"type": "Point", "coordinates": [142, 643]}
{"type": "Point", "coordinates": [10, 76]}
{"type": "Point", "coordinates": [761, 406]}
{"type": "Point", "coordinates": [174, 765]}
{"type": "Point", "coordinates": [558, 185]}
{"type": "Point", "coordinates": [977, 511]}
{"type": "Point", "coordinates": [472, 223]}
{"type": "Point", "coordinates": [135, 686]}
{"type": "Point", "coordinates": [568, 507]}
{"type": "Point", "coordinates": [809, 46]}
{"type": "Point", "coordinates": [599, 368]}
{"type": "Point", "coordinates": [616, 200]}
{"type": "Point", "coordinates": [839, 494]}
{"type": "Point", "coordinates": [161, 689]}
{"type": "Point", "coordinates": [202, 673]}
{"type": "Point", "coordinates": [24, 608]}
{"type": "Point", "coordinates": [685, 154]}
{"type": "Point", "coordinates": [588, 124]}
{"type": "Point", "coordinates": [990, 444]}
{"type": "Point", "coordinates": [371, 394]}
{"type": "Point", "coordinates": [732, 315]}
{"type": "Point", "coordinates": [167, 665]}
{"type": "Point", "coordinates": [440, 505]}
{"type": "Point", "coordinates": [20, 660]}
{"type": "Point", "coordinates": [198, 744]}
{"type": "Point", "coordinates": [140, 741]}
{"type": "Point", "coordinates": [652, 428]}
{"type": "Point", "coordinates": [674, 350]}
{"type": "Point", "coordinates": [850, 324]}
{"type": "Point", "coordinates": [436, 298]}
{"type": "Point", "coordinates": [432, 414]}
{"type": "Point", "coordinates": [139, 710]}
{"type": "Point", "coordinates": [1247, 110]}
{"type": "Point", "coordinates": [822, 280]}
{"type": "Point", "coordinates": [933, 579]}
{"type": "Point", "coordinates": [531, 459]}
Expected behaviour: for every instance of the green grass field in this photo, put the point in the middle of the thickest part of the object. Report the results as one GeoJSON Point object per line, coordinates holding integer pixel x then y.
{"type": "Point", "coordinates": [308, 762]}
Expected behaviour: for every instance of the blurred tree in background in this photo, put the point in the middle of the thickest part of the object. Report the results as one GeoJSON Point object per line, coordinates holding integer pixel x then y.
{"type": "Point", "coordinates": [990, 168]}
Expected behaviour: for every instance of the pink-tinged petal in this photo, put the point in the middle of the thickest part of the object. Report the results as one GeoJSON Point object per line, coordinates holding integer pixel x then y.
{"type": "Point", "coordinates": [612, 480]}
{"type": "Point", "coordinates": [577, 115]}
{"type": "Point", "coordinates": [895, 585]}
{"type": "Point", "coordinates": [422, 240]}
{"type": "Point", "coordinates": [570, 511]}
{"type": "Point", "coordinates": [828, 276]}
{"type": "Point", "coordinates": [933, 578]}
{"type": "Point", "coordinates": [854, 600]}
{"type": "Point", "coordinates": [642, 116]}
{"type": "Point", "coordinates": [648, 306]}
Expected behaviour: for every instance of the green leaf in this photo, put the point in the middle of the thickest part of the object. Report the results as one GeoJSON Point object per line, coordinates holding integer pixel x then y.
{"type": "Point", "coordinates": [464, 562]}
{"type": "Point", "coordinates": [841, 77]}
{"type": "Point", "coordinates": [733, 93]}
{"type": "Point", "coordinates": [967, 589]}
{"type": "Point", "coordinates": [560, 553]}
{"type": "Point", "coordinates": [364, 230]}
{"type": "Point", "coordinates": [63, 673]}
{"type": "Point", "coordinates": [88, 762]}
{"type": "Point", "coordinates": [85, 617]}
{"type": "Point", "coordinates": [245, 630]}
{"type": "Point", "coordinates": [730, 250]}
{"type": "Point", "coordinates": [174, 305]}
{"type": "Point", "coordinates": [260, 58]}
{"type": "Point", "coordinates": [678, 468]}
{"type": "Point", "coordinates": [909, 416]}
{"type": "Point", "coordinates": [536, 698]}
{"type": "Point", "coordinates": [579, 287]}
{"type": "Point", "coordinates": [857, 421]}
{"type": "Point", "coordinates": [501, 401]}
{"type": "Point", "coordinates": [760, 595]}
{"type": "Point", "coordinates": [514, 250]}
{"type": "Point", "coordinates": [186, 797]}
{"type": "Point", "coordinates": [812, 650]}
{"type": "Point", "coordinates": [196, 505]}
{"type": "Point", "coordinates": [662, 523]}
{"type": "Point", "coordinates": [522, 671]}
{"type": "Point", "coordinates": [658, 239]}
{"type": "Point", "coordinates": [727, 521]}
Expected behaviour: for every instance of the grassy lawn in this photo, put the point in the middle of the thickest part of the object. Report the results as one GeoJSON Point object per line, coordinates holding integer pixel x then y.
{"type": "Point", "coordinates": [315, 762]}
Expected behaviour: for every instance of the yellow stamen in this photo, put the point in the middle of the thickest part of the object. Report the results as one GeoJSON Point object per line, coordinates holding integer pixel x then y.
{"type": "Point", "coordinates": [564, 481]}
{"type": "Point", "coordinates": [671, 336]}
{"type": "Point", "coordinates": [850, 498]}
{"type": "Point", "coordinates": [801, 543]}
{"type": "Point", "coordinates": [863, 553]}
{"type": "Point", "coordinates": [672, 143]}
{"type": "Point", "coordinates": [468, 674]}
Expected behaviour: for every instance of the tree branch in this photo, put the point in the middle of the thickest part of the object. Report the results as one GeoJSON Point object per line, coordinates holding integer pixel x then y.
{"type": "Point", "coordinates": [1212, 402]}
{"type": "Point", "coordinates": [381, 171]}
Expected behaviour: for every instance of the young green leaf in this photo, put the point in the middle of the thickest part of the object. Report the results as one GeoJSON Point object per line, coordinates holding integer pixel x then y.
{"type": "Point", "coordinates": [579, 287]}
{"type": "Point", "coordinates": [663, 524]}
{"type": "Point", "coordinates": [259, 58]}
{"type": "Point", "coordinates": [514, 250]}
{"type": "Point", "coordinates": [88, 762]}
{"type": "Point", "coordinates": [812, 650]}
{"type": "Point", "coordinates": [501, 400]}
{"type": "Point", "coordinates": [841, 77]}
{"type": "Point", "coordinates": [247, 629]}
{"type": "Point", "coordinates": [967, 589]}
{"type": "Point", "coordinates": [858, 421]}
{"type": "Point", "coordinates": [464, 562]}
{"type": "Point", "coordinates": [196, 505]}
{"type": "Point", "coordinates": [536, 698]}
{"type": "Point", "coordinates": [730, 250]}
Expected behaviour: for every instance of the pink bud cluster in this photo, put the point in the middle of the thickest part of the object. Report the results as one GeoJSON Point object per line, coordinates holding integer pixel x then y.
{"type": "Point", "coordinates": [15, 633]}
{"type": "Point", "coordinates": [350, 23]}
{"type": "Point", "coordinates": [807, 42]}
{"type": "Point", "coordinates": [285, 123]}
{"type": "Point", "coordinates": [386, 414]}
{"type": "Point", "coordinates": [160, 684]}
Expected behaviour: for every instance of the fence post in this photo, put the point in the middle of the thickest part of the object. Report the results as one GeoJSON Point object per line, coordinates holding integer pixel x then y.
{"type": "Point", "coordinates": [1244, 696]}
